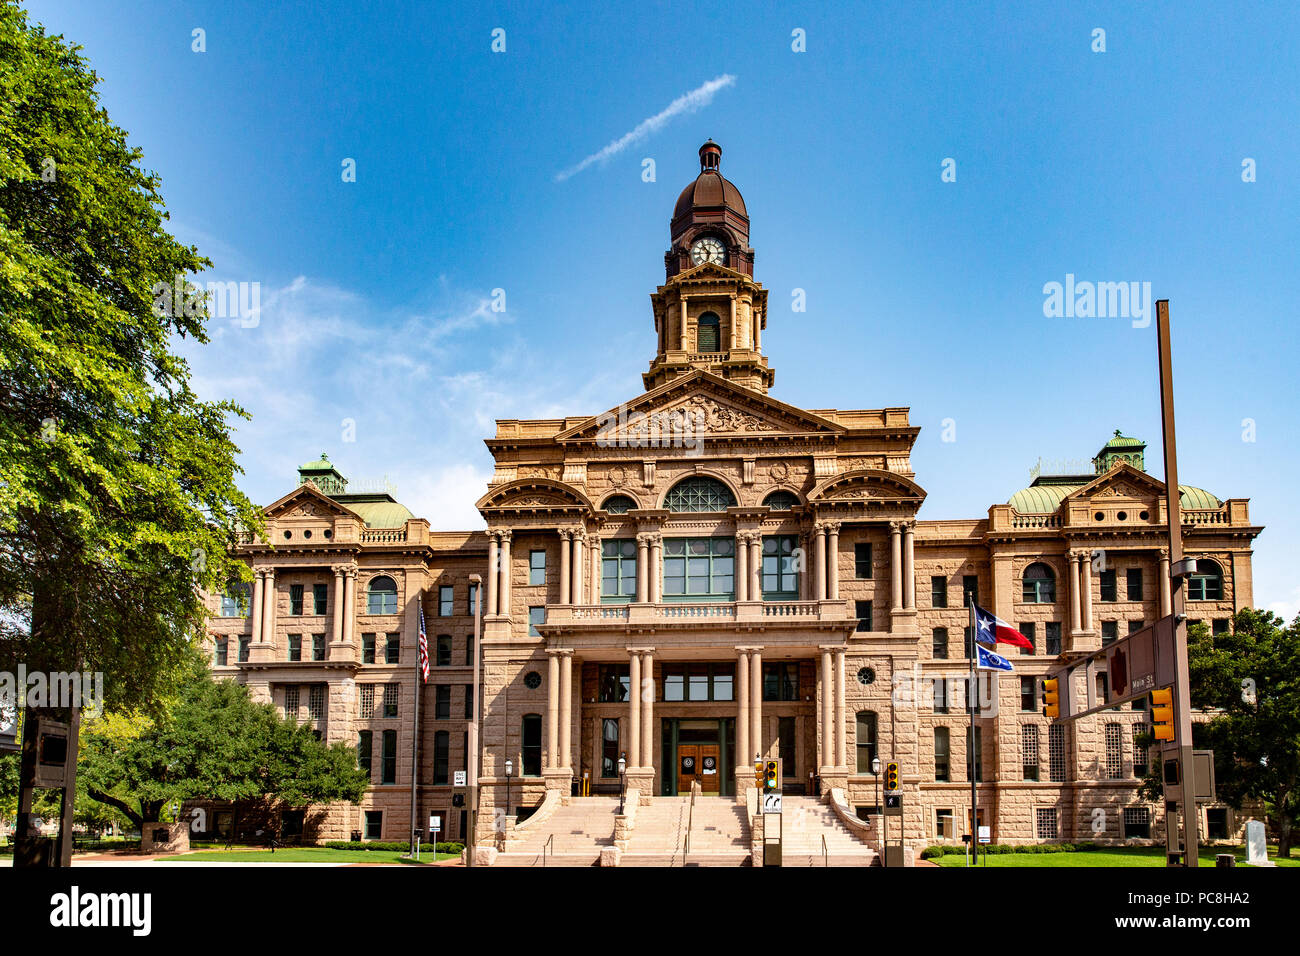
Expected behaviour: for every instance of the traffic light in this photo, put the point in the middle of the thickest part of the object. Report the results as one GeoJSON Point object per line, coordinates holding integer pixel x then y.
{"type": "Point", "coordinates": [771, 777]}
{"type": "Point", "coordinates": [1052, 698]}
{"type": "Point", "coordinates": [891, 776]}
{"type": "Point", "coordinates": [759, 776]}
{"type": "Point", "coordinates": [1162, 713]}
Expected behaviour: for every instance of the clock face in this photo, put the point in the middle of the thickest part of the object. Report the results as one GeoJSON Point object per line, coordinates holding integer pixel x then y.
{"type": "Point", "coordinates": [707, 249]}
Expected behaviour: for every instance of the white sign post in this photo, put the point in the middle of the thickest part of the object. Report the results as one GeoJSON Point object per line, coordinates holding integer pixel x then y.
{"type": "Point", "coordinates": [458, 778]}
{"type": "Point", "coordinates": [771, 803]}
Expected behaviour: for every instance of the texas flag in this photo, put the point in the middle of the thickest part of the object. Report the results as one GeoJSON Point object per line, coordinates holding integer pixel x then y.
{"type": "Point", "coordinates": [991, 629]}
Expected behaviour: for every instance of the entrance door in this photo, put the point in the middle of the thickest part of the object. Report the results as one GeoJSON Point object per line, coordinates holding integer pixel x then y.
{"type": "Point", "coordinates": [688, 766]}
{"type": "Point", "coordinates": [710, 768]}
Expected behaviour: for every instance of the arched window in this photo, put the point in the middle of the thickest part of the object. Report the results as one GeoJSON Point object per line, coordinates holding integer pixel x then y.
{"type": "Point", "coordinates": [619, 504]}
{"type": "Point", "coordinates": [531, 745]}
{"type": "Point", "coordinates": [708, 337]}
{"type": "Point", "coordinates": [866, 740]}
{"type": "Point", "coordinates": [699, 494]}
{"type": "Point", "coordinates": [1039, 584]}
{"type": "Point", "coordinates": [1207, 583]}
{"type": "Point", "coordinates": [781, 500]}
{"type": "Point", "coordinates": [382, 596]}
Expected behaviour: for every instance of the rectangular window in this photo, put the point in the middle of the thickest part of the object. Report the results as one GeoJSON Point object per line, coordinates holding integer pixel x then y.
{"type": "Point", "coordinates": [367, 648]}
{"type": "Point", "coordinates": [939, 648]}
{"type": "Point", "coordinates": [613, 681]}
{"type": "Point", "coordinates": [536, 567]}
{"type": "Point", "coordinates": [1114, 753]}
{"type": "Point", "coordinates": [367, 704]}
{"type": "Point", "coordinates": [1139, 751]}
{"type": "Point", "coordinates": [388, 762]}
{"type": "Point", "coordinates": [318, 647]}
{"type": "Point", "coordinates": [441, 756]}
{"type": "Point", "coordinates": [1137, 823]}
{"type": "Point", "coordinates": [609, 743]}
{"type": "Point", "coordinates": [693, 682]}
{"type": "Point", "coordinates": [244, 643]}
{"type": "Point", "coordinates": [967, 644]}
{"type": "Point", "coordinates": [1133, 583]}
{"type": "Point", "coordinates": [291, 702]}
{"type": "Point", "coordinates": [1135, 626]}
{"type": "Point", "coordinates": [1220, 625]}
{"type": "Point", "coordinates": [442, 702]}
{"type": "Point", "coordinates": [469, 701]}
{"type": "Point", "coordinates": [221, 652]}
{"type": "Point", "coordinates": [1046, 823]}
{"type": "Point", "coordinates": [970, 589]}
{"type": "Point", "coordinates": [942, 695]}
{"type": "Point", "coordinates": [443, 651]}
{"type": "Point", "coordinates": [699, 569]}
{"type": "Point", "coordinates": [943, 828]}
{"type": "Point", "coordinates": [978, 755]}
{"type": "Point", "coordinates": [295, 647]}
{"type": "Point", "coordinates": [391, 692]}
{"type": "Point", "coordinates": [393, 649]}
{"type": "Point", "coordinates": [1052, 642]}
{"type": "Point", "coordinates": [469, 650]}
{"type": "Point", "coordinates": [1109, 591]}
{"type": "Point", "coordinates": [472, 600]}
{"type": "Point", "coordinates": [365, 745]}
{"type": "Point", "coordinates": [1056, 752]}
{"type": "Point", "coordinates": [785, 746]}
{"type": "Point", "coordinates": [295, 599]}
{"type": "Point", "coordinates": [1029, 751]}
{"type": "Point", "coordinates": [1029, 629]}
{"type": "Point", "coordinates": [781, 681]}
{"type": "Point", "coordinates": [938, 591]}
{"type": "Point", "coordinates": [862, 560]}
{"type": "Point", "coordinates": [536, 616]}
{"type": "Point", "coordinates": [235, 602]}
{"type": "Point", "coordinates": [319, 598]}
{"type": "Point", "coordinates": [316, 702]}
{"type": "Point", "coordinates": [446, 600]}
{"type": "Point", "coordinates": [780, 579]}
{"type": "Point", "coordinates": [941, 755]}
{"type": "Point", "coordinates": [1029, 694]}
{"type": "Point", "coordinates": [617, 571]}
{"type": "Point", "coordinates": [866, 739]}
{"type": "Point", "coordinates": [374, 824]}
{"type": "Point", "coordinates": [863, 611]}
{"type": "Point", "coordinates": [531, 745]}
{"type": "Point", "coordinates": [1109, 631]}
{"type": "Point", "coordinates": [1216, 823]}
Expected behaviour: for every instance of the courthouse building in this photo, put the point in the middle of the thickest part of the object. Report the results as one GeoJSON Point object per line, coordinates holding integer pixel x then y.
{"type": "Point", "coordinates": [763, 574]}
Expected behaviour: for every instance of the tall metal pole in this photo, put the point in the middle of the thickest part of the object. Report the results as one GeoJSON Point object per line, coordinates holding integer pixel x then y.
{"type": "Point", "coordinates": [476, 582]}
{"type": "Point", "coordinates": [415, 737]}
{"type": "Point", "coordinates": [970, 769]}
{"type": "Point", "coordinates": [1182, 681]}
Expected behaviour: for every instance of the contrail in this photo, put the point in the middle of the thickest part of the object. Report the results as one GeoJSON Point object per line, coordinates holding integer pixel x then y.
{"type": "Point", "coordinates": [686, 103]}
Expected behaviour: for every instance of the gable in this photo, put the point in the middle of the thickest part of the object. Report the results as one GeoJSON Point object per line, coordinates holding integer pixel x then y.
{"type": "Point", "coordinates": [1122, 481]}
{"type": "Point", "coordinates": [307, 501]}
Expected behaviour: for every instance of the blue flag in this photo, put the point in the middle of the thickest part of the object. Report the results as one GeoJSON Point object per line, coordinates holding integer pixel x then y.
{"type": "Point", "coordinates": [987, 660]}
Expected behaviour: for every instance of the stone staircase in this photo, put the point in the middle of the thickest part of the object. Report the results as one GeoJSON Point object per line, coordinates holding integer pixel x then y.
{"type": "Point", "coordinates": [719, 833]}
{"type": "Point", "coordinates": [806, 820]}
{"type": "Point", "coordinates": [577, 831]}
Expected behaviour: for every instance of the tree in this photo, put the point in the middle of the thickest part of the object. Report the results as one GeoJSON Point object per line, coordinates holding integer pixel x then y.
{"type": "Point", "coordinates": [118, 501]}
{"type": "Point", "coordinates": [215, 743]}
{"type": "Point", "coordinates": [1250, 678]}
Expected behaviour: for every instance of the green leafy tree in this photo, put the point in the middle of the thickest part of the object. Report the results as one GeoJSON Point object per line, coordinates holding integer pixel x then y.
{"type": "Point", "coordinates": [1250, 677]}
{"type": "Point", "coordinates": [118, 500]}
{"type": "Point", "coordinates": [215, 743]}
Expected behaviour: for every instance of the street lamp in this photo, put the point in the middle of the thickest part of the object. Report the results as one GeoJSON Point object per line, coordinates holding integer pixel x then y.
{"type": "Point", "coordinates": [510, 769]}
{"type": "Point", "coordinates": [622, 776]}
{"type": "Point", "coordinates": [875, 772]}
{"type": "Point", "coordinates": [472, 741]}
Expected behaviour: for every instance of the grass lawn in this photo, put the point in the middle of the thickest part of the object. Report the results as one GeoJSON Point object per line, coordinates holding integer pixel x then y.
{"type": "Point", "coordinates": [303, 855]}
{"type": "Point", "coordinates": [1116, 856]}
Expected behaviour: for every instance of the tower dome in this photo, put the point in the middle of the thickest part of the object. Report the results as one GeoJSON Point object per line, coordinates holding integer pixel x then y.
{"type": "Point", "coordinates": [710, 207]}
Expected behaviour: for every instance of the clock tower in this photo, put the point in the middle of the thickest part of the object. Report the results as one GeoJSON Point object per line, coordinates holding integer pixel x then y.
{"type": "Point", "coordinates": [710, 313]}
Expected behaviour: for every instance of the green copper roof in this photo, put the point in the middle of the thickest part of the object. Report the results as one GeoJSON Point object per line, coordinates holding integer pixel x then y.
{"type": "Point", "coordinates": [1123, 441]}
{"type": "Point", "coordinates": [1197, 498]}
{"type": "Point", "coordinates": [1041, 498]}
{"type": "Point", "coordinates": [321, 464]}
{"type": "Point", "coordinates": [377, 511]}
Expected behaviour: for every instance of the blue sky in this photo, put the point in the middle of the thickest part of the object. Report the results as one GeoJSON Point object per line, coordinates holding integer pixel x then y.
{"type": "Point", "coordinates": [1123, 165]}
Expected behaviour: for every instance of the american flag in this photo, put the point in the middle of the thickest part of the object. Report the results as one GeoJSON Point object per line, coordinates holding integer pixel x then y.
{"type": "Point", "coordinates": [424, 649]}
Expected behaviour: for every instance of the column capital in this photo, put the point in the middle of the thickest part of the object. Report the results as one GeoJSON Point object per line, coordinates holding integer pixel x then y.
{"type": "Point", "coordinates": [908, 525]}
{"type": "Point", "coordinates": [503, 534]}
{"type": "Point", "coordinates": [647, 538]}
{"type": "Point", "coordinates": [1078, 554]}
{"type": "Point", "coordinates": [579, 534]}
{"type": "Point", "coordinates": [1164, 553]}
{"type": "Point", "coordinates": [832, 526]}
{"type": "Point", "coordinates": [832, 647]}
{"type": "Point", "coordinates": [566, 534]}
{"type": "Point", "coordinates": [896, 525]}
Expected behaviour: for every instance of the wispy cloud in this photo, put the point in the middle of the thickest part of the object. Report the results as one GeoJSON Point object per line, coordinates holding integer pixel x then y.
{"type": "Point", "coordinates": [696, 99]}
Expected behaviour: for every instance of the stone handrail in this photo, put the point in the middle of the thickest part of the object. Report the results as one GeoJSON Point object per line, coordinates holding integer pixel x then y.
{"type": "Point", "coordinates": [1204, 517]}
{"type": "Point", "coordinates": [860, 829]}
{"type": "Point", "coordinates": [384, 536]}
{"type": "Point", "coordinates": [1035, 521]}
{"type": "Point", "coordinates": [550, 803]}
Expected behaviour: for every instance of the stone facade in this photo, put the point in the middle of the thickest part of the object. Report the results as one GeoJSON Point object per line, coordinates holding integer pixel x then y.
{"type": "Point", "coordinates": [707, 573]}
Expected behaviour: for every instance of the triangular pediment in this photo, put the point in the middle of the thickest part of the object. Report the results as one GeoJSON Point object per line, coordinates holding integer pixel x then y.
{"type": "Point", "coordinates": [700, 404]}
{"type": "Point", "coordinates": [307, 501]}
{"type": "Point", "coordinates": [1122, 481]}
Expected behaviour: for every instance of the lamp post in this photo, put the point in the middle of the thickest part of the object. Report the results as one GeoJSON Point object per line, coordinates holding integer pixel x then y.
{"type": "Point", "coordinates": [622, 776]}
{"type": "Point", "coordinates": [875, 772]}
{"type": "Point", "coordinates": [510, 769]}
{"type": "Point", "coordinates": [471, 778]}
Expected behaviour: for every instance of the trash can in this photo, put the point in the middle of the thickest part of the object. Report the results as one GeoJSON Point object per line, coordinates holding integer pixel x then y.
{"type": "Point", "coordinates": [1224, 860]}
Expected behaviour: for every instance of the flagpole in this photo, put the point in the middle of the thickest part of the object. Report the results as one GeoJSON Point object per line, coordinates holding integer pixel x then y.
{"type": "Point", "coordinates": [415, 734]}
{"type": "Point", "coordinates": [971, 692]}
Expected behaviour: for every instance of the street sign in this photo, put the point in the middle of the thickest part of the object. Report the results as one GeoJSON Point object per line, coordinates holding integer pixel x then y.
{"type": "Point", "coordinates": [986, 835]}
{"type": "Point", "coordinates": [772, 803]}
{"type": "Point", "coordinates": [459, 778]}
{"type": "Point", "coordinates": [435, 824]}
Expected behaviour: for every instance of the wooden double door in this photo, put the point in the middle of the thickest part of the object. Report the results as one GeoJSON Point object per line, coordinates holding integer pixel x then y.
{"type": "Point", "coordinates": [699, 762]}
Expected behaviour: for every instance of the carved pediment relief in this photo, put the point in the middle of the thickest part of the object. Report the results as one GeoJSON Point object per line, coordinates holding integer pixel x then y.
{"type": "Point", "coordinates": [866, 484]}
{"type": "Point", "coordinates": [535, 494]}
{"type": "Point", "coordinates": [1122, 481]}
{"type": "Point", "coordinates": [306, 501]}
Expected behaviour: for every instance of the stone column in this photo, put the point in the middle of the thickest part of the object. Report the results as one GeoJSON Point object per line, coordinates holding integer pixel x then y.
{"type": "Point", "coordinates": [742, 566]}
{"type": "Point", "coordinates": [681, 315]}
{"type": "Point", "coordinates": [1076, 603]}
{"type": "Point", "coordinates": [819, 562]}
{"type": "Point", "coordinates": [833, 559]}
{"type": "Point", "coordinates": [552, 709]}
{"type": "Point", "coordinates": [735, 333]}
{"type": "Point", "coordinates": [634, 702]}
{"type": "Point", "coordinates": [909, 565]}
{"type": "Point", "coordinates": [841, 758]}
{"type": "Point", "coordinates": [566, 709]}
{"type": "Point", "coordinates": [339, 585]}
{"type": "Point", "coordinates": [756, 566]}
{"type": "Point", "coordinates": [268, 608]}
{"type": "Point", "coordinates": [579, 546]}
{"type": "Point", "coordinates": [642, 568]}
{"type": "Point", "coordinates": [256, 621]}
{"type": "Point", "coordinates": [1166, 586]}
{"type": "Point", "coordinates": [896, 564]}
{"type": "Point", "coordinates": [350, 606]}
{"type": "Point", "coordinates": [1085, 565]}
{"type": "Point", "coordinates": [648, 710]}
{"type": "Point", "coordinates": [566, 588]}
{"type": "Point", "coordinates": [656, 570]}
{"type": "Point", "coordinates": [503, 583]}
{"type": "Point", "coordinates": [493, 574]}
{"type": "Point", "coordinates": [744, 753]}
{"type": "Point", "coordinates": [756, 700]}
{"type": "Point", "coordinates": [595, 568]}
{"type": "Point", "coordinates": [828, 710]}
